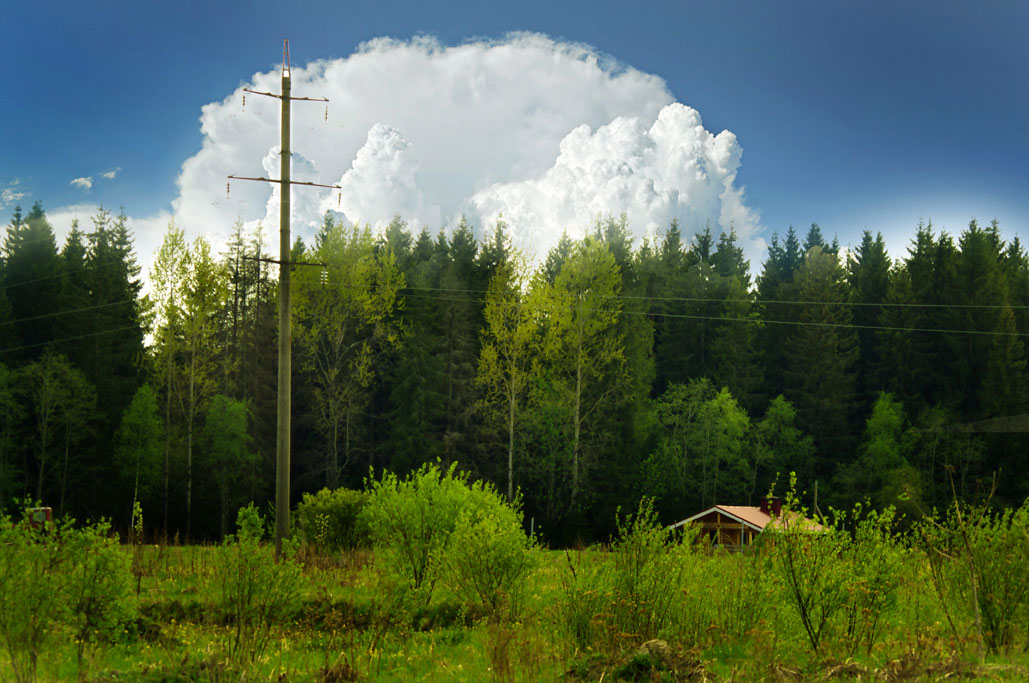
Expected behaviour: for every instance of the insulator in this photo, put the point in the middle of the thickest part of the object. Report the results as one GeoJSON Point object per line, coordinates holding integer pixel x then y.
{"type": "Point", "coordinates": [226, 190]}
{"type": "Point", "coordinates": [244, 100]}
{"type": "Point", "coordinates": [326, 112]}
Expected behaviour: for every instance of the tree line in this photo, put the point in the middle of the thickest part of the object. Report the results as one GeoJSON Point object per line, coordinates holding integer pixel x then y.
{"type": "Point", "coordinates": [609, 371]}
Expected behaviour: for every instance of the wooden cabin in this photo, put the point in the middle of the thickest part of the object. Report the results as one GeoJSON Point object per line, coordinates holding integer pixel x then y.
{"type": "Point", "coordinates": [734, 527]}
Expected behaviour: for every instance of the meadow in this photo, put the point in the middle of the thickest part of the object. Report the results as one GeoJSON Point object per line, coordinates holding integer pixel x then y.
{"type": "Point", "coordinates": [459, 592]}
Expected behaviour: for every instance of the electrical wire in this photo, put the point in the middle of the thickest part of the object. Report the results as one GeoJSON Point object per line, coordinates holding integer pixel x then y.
{"type": "Point", "coordinates": [77, 310]}
{"type": "Point", "coordinates": [66, 339]}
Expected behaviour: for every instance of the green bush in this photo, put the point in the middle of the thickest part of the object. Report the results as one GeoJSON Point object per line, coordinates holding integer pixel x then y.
{"type": "Point", "coordinates": [435, 525]}
{"type": "Point", "coordinates": [59, 579]}
{"type": "Point", "coordinates": [489, 555]}
{"type": "Point", "coordinates": [646, 564]}
{"type": "Point", "coordinates": [97, 587]}
{"type": "Point", "coordinates": [331, 519]}
{"type": "Point", "coordinates": [254, 591]}
{"type": "Point", "coordinates": [977, 558]}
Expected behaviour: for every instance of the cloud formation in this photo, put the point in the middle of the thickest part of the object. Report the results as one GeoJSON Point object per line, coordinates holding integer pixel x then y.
{"type": "Point", "coordinates": [110, 175]}
{"type": "Point", "coordinates": [11, 193]}
{"type": "Point", "coordinates": [84, 183]}
{"type": "Point", "coordinates": [550, 134]}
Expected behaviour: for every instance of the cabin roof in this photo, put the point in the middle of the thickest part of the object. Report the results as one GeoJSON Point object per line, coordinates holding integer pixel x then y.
{"type": "Point", "coordinates": [753, 517]}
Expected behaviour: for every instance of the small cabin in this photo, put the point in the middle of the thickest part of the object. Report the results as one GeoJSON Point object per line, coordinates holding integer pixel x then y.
{"type": "Point", "coordinates": [734, 527]}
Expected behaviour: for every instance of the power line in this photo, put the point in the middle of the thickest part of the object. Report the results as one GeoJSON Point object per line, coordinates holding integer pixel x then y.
{"type": "Point", "coordinates": [886, 328]}
{"type": "Point", "coordinates": [63, 273]}
{"type": "Point", "coordinates": [754, 301]}
{"type": "Point", "coordinates": [66, 339]}
{"type": "Point", "coordinates": [77, 310]}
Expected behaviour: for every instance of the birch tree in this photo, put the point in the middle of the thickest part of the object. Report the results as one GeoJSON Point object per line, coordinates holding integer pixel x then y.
{"type": "Point", "coordinates": [164, 303]}
{"type": "Point", "coordinates": [343, 321]}
{"type": "Point", "coordinates": [506, 359]}
{"type": "Point", "coordinates": [581, 344]}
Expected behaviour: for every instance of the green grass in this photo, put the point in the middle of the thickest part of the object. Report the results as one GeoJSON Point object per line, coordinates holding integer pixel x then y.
{"type": "Point", "coordinates": [732, 621]}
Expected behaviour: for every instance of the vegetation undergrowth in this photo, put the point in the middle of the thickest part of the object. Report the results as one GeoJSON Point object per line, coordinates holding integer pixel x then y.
{"type": "Point", "coordinates": [856, 595]}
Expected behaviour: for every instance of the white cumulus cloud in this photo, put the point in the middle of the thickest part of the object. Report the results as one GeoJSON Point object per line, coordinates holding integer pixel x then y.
{"type": "Point", "coordinates": [110, 175]}
{"type": "Point", "coordinates": [85, 183]}
{"type": "Point", "coordinates": [654, 172]}
{"type": "Point", "coordinates": [549, 133]}
{"type": "Point", "coordinates": [11, 193]}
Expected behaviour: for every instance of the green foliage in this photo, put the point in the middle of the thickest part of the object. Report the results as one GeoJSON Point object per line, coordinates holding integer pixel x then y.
{"type": "Point", "coordinates": [489, 556]}
{"type": "Point", "coordinates": [139, 444]}
{"type": "Point", "coordinates": [584, 596]}
{"type": "Point", "coordinates": [59, 578]}
{"type": "Point", "coordinates": [978, 557]}
{"type": "Point", "coordinates": [226, 443]}
{"type": "Point", "coordinates": [646, 563]}
{"type": "Point", "coordinates": [841, 586]}
{"type": "Point", "coordinates": [607, 603]}
{"type": "Point", "coordinates": [255, 592]}
{"type": "Point", "coordinates": [331, 519]}
{"type": "Point", "coordinates": [344, 324]}
{"type": "Point", "coordinates": [435, 525]}
{"type": "Point", "coordinates": [97, 585]}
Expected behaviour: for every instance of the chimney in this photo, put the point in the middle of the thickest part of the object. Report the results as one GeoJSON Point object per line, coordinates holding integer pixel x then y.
{"type": "Point", "coordinates": [771, 506]}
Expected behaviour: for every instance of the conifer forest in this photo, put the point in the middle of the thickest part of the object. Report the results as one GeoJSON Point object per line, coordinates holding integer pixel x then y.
{"type": "Point", "coordinates": [600, 373]}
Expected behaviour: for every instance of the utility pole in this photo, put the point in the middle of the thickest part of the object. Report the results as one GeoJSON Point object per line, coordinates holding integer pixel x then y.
{"type": "Point", "coordinates": [282, 445]}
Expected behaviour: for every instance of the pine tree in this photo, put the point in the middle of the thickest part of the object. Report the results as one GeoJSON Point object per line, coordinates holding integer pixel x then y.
{"type": "Point", "coordinates": [112, 354]}
{"type": "Point", "coordinates": [868, 274]}
{"type": "Point", "coordinates": [775, 294]}
{"type": "Point", "coordinates": [34, 281]}
{"type": "Point", "coordinates": [820, 357]}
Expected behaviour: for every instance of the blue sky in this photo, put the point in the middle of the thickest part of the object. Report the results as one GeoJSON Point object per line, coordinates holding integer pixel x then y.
{"type": "Point", "coordinates": [852, 114]}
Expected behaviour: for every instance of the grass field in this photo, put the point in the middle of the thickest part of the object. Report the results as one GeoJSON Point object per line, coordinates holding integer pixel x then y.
{"type": "Point", "coordinates": [724, 617]}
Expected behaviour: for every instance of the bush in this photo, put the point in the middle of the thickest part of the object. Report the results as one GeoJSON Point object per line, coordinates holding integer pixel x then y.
{"type": "Point", "coordinates": [254, 591]}
{"type": "Point", "coordinates": [646, 564]}
{"type": "Point", "coordinates": [489, 555]}
{"type": "Point", "coordinates": [59, 578]}
{"type": "Point", "coordinates": [331, 519]}
{"type": "Point", "coordinates": [412, 524]}
{"type": "Point", "coordinates": [98, 586]}
{"type": "Point", "coordinates": [977, 559]}
{"type": "Point", "coordinates": [635, 596]}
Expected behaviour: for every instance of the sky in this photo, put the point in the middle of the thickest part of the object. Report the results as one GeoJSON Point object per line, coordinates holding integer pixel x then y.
{"type": "Point", "coordinates": [745, 113]}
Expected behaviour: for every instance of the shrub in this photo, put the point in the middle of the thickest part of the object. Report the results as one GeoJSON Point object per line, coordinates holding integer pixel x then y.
{"type": "Point", "coordinates": [840, 584]}
{"type": "Point", "coordinates": [412, 524]}
{"type": "Point", "coordinates": [809, 562]}
{"type": "Point", "coordinates": [254, 591]}
{"type": "Point", "coordinates": [331, 519]}
{"type": "Point", "coordinates": [489, 555]}
{"type": "Point", "coordinates": [97, 586]}
{"type": "Point", "coordinates": [636, 595]}
{"type": "Point", "coordinates": [977, 559]}
{"type": "Point", "coordinates": [59, 578]}
{"type": "Point", "coordinates": [646, 566]}
{"type": "Point", "coordinates": [31, 566]}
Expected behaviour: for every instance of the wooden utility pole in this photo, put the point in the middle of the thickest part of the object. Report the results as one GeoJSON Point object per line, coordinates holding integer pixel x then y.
{"type": "Point", "coordinates": [282, 440]}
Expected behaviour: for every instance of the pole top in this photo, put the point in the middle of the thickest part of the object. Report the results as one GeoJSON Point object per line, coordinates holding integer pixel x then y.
{"type": "Point", "coordinates": [285, 58]}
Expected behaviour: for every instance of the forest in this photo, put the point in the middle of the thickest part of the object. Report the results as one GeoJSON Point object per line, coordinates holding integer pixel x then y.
{"type": "Point", "coordinates": [612, 370]}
